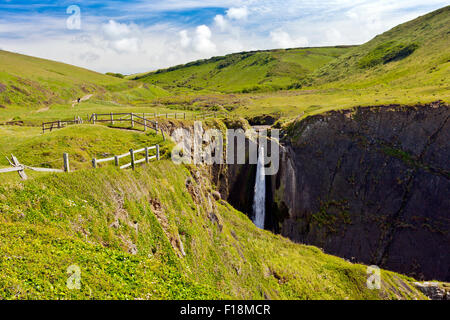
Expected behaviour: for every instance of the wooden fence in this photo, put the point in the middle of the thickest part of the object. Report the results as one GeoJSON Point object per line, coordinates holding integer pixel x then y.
{"type": "Point", "coordinates": [20, 168]}
{"type": "Point", "coordinates": [60, 124]}
{"type": "Point", "coordinates": [132, 154]}
{"type": "Point", "coordinates": [143, 119]}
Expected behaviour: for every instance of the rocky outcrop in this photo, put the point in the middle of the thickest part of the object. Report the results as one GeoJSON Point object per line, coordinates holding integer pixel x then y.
{"type": "Point", "coordinates": [371, 185]}
{"type": "Point", "coordinates": [434, 290]}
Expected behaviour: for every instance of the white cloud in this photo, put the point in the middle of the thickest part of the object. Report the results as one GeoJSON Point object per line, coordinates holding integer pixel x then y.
{"type": "Point", "coordinates": [157, 41]}
{"type": "Point", "coordinates": [185, 40]}
{"type": "Point", "coordinates": [122, 37]}
{"type": "Point", "coordinates": [237, 13]}
{"type": "Point", "coordinates": [283, 40]}
{"type": "Point", "coordinates": [221, 22]}
{"type": "Point", "coordinates": [203, 43]}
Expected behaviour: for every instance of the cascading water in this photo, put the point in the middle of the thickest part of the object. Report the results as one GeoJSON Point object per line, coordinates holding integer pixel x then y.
{"type": "Point", "coordinates": [259, 200]}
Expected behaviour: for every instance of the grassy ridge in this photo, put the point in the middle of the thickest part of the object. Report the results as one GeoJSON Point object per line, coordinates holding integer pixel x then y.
{"type": "Point", "coordinates": [406, 65]}
{"type": "Point", "coordinates": [410, 55]}
{"type": "Point", "coordinates": [245, 72]}
{"type": "Point", "coordinates": [27, 82]}
{"type": "Point", "coordinates": [158, 233]}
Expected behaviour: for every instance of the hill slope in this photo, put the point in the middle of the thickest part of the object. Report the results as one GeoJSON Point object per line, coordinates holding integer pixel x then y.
{"type": "Point", "coordinates": [246, 71]}
{"type": "Point", "coordinates": [412, 54]}
{"type": "Point", "coordinates": [154, 233]}
{"type": "Point", "coordinates": [29, 82]}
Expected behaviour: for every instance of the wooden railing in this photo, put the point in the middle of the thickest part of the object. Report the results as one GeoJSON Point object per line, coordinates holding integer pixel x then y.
{"type": "Point", "coordinates": [142, 119]}
{"type": "Point", "coordinates": [133, 118]}
{"type": "Point", "coordinates": [20, 168]}
{"type": "Point", "coordinates": [132, 154]}
{"type": "Point", "coordinates": [60, 124]}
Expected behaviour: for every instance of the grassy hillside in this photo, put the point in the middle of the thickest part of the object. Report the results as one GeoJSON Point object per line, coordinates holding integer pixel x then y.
{"type": "Point", "coordinates": [406, 65]}
{"type": "Point", "coordinates": [30, 83]}
{"type": "Point", "coordinates": [158, 233]}
{"type": "Point", "coordinates": [411, 57]}
{"type": "Point", "coordinates": [245, 72]}
{"type": "Point", "coordinates": [412, 54]}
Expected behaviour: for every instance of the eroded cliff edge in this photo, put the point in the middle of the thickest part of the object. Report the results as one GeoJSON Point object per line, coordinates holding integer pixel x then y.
{"type": "Point", "coordinates": [371, 185]}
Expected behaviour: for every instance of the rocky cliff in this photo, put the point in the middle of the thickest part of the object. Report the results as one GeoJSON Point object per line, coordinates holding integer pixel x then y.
{"type": "Point", "coordinates": [371, 185]}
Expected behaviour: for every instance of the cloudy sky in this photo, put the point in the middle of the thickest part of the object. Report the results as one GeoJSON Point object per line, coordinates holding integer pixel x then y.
{"type": "Point", "coordinates": [142, 35]}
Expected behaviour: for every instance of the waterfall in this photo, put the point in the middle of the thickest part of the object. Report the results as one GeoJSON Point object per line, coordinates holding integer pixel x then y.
{"type": "Point", "coordinates": [259, 200]}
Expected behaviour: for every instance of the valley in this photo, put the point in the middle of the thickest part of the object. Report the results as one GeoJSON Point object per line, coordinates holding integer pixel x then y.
{"type": "Point", "coordinates": [363, 179]}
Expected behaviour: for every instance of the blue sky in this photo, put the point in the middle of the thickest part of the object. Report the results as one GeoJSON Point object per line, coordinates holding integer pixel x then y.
{"type": "Point", "coordinates": [135, 36]}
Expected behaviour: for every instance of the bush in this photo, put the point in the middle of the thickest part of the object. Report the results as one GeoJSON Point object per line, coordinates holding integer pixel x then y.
{"type": "Point", "coordinates": [387, 52]}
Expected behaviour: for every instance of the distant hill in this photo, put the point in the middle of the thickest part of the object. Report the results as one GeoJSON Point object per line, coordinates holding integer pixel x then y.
{"type": "Point", "coordinates": [30, 82]}
{"type": "Point", "coordinates": [245, 71]}
{"type": "Point", "coordinates": [415, 53]}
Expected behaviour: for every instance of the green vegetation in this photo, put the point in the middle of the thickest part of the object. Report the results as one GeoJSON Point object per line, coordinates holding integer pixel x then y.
{"type": "Point", "coordinates": [157, 233]}
{"type": "Point", "coordinates": [409, 64]}
{"type": "Point", "coordinates": [387, 52]}
{"type": "Point", "coordinates": [28, 83]}
{"type": "Point", "coordinates": [245, 72]}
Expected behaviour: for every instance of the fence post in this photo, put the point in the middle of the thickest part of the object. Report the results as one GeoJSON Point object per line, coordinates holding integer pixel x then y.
{"type": "Point", "coordinates": [132, 120]}
{"type": "Point", "coordinates": [185, 116]}
{"type": "Point", "coordinates": [157, 152]}
{"type": "Point", "coordinates": [66, 162]}
{"type": "Point", "coordinates": [43, 128]}
{"type": "Point", "coordinates": [145, 122]}
{"type": "Point", "coordinates": [132, 158]}
{"type": "Point", "coordinates": [116, 161]}
{"type": "Point", "coordinates": [156, 126]}
{"type": "Point", "coordinates": [111, 117]}
{"type": "Point", "coordinates": [94, 117]}
{"type": "Point", "coordinates": [94, 163]}
{"type": "Point", "coordinates": [167, 115]}
{"type": "Point", "coordinates": [59, 124]}
{"type": "Point", "coordinates": [146, 154]}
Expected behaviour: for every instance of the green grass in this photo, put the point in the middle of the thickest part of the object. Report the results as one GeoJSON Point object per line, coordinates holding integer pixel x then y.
{"type": "Point", "coordinates": [28, 83]}
{"type": "Point", "coordinates": [82, 142]}
{"type": "Point", "coordinates": [244, 72]}
{"type": "Point", "coordinates": [409, 64]}
{"type": "Point", "coordinates": [55, 221]}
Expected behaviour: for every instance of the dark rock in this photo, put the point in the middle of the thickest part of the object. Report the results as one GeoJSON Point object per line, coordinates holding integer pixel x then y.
{"type": "Point", "coordinates": [433, 290]}
{"type": "Point", "coordinates": [373, 184]}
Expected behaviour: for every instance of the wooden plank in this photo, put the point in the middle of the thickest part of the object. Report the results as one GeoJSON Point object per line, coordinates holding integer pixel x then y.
{"type": "Point", "coordinates": [16, 163]}
{"type": "Point", "coordinates": [123, 155]}
{"type": "Point", "coordinates": [125, 166]}
{"type": "Point", "coordinates": [132, 158]}
{"type": "Point", "coordinates": [105, 160]}
{"type": "Point", "coordinates": [44, 169]}
{"type": "Point", "coordinates": [11, 169]}
{"type": "Point", "coordinates": [66, 162]}
{"type": "Point", "coordinates": [139, 151]}
{"type": "Point", "coordinates": [139, 161]}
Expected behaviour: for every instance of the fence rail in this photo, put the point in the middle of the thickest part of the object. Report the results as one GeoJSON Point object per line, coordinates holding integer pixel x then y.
{"type": "Point", "coordinates": [60, 124]}
{"type": "Point", "coordinates": [20, 168]}
{"type": "Point", "coordinates": [132, 154]}
{"type": "Point", "coordinates": [143, 119]}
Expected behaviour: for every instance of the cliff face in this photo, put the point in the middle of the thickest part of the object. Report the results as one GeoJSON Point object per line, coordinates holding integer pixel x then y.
{"type": "Point", "coordinates": [371, 185]}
